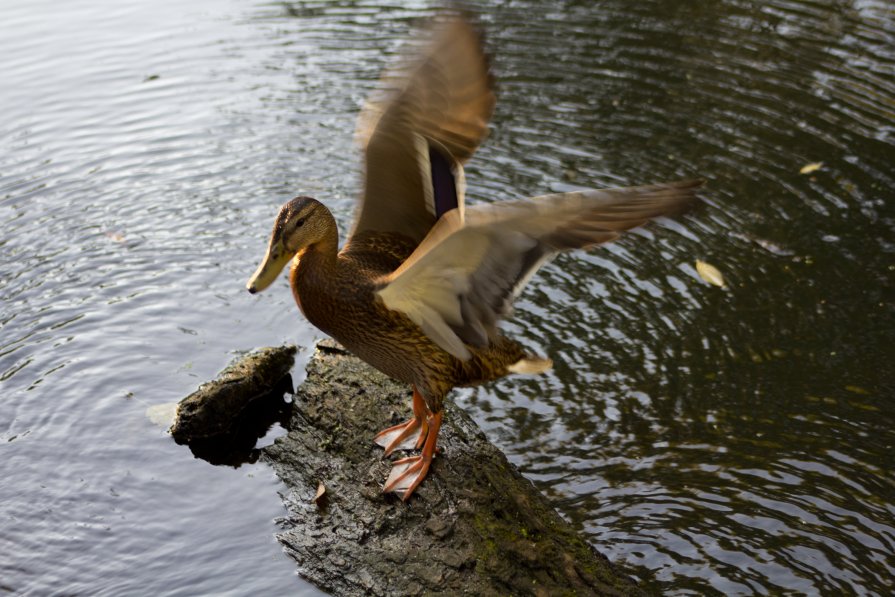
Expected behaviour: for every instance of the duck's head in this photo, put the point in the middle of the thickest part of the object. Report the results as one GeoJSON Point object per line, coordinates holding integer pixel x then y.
{"type": "Point", "coordinates": [301, 223]}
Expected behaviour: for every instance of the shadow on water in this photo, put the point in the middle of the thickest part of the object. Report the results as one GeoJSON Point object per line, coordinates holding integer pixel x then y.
{"type": "Point", "coordinates": [715, 441]}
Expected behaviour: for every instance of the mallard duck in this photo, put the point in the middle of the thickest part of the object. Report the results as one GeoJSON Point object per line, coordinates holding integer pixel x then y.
{"type": "Point", "coordinates": [420, 285]}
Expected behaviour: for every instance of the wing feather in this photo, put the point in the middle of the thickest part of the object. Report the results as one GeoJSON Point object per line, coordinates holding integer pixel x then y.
{"type": "Point", "coordinates": [464, 276]}
{"type": "Point", "coordinates": [439, 99]}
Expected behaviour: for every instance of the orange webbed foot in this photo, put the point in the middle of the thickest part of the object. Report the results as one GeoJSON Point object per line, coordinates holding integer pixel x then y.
{"type": "Point", "coordinates": [408, 473]}
{"type": "Point", "coordinates": [400, 437]}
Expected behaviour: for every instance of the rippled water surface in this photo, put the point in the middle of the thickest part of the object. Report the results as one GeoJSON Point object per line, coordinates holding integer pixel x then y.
{"type": "Point", "coordinates": [732, 440]}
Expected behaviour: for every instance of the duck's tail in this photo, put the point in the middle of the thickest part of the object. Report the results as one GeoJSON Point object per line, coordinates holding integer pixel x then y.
{"type": "Point", "coordinates": [531, 365]}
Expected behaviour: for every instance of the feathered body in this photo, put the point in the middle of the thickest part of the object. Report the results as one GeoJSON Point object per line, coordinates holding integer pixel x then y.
{"type": "Point", "coordinates": [340, 299]}
{"type": "Point", "coordinates": [422, 281]}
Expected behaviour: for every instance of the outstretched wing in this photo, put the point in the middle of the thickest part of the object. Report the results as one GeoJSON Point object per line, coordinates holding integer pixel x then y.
{"type": "Point", "coordinates": [464, 276]}
{"type": "Point", "coordinates": [417, 131]}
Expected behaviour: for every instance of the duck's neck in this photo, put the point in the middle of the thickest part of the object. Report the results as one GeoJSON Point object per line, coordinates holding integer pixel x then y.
{"type": "Point", "coordinates": [313, 269]}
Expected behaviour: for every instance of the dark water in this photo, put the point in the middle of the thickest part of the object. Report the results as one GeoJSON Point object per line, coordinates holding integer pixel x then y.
{"type": "Point", "coordinates": [728, 441]}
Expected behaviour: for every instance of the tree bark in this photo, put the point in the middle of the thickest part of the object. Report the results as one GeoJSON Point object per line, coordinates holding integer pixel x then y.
{"type": "Point", "coordinates": [475, 525]}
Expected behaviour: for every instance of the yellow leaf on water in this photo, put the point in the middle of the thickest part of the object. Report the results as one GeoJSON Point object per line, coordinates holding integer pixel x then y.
{"type": "Point", "coordinates": [162, 415]}
{"type": "Point", "coordinates": [812, 167]}
{"type": "Point", "coordinates": [710, 273]}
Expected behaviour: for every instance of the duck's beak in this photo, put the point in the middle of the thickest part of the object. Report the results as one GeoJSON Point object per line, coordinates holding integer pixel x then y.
{"type": "Point", "coordinates": [276, 259]}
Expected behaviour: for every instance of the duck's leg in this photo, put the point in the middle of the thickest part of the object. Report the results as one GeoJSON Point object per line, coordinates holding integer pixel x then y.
{"type": "Point", "coordinates": [409, 472]}
{"type": "Point", "coordinates": [400, 437]}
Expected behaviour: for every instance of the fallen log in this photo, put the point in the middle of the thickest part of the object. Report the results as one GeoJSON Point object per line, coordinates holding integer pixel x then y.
{"type": "Point", "coordinates": [475, 526]}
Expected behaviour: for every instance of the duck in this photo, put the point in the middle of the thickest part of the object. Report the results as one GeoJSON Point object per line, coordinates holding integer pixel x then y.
{"type": "Point", "coordinates": [419, 287]}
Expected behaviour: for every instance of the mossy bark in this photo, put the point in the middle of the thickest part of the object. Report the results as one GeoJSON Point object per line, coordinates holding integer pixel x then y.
{"type": "Point", "coordinates": [475, 525]}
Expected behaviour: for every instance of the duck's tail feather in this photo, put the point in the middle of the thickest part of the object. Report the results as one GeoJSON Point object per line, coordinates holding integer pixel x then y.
{"type": "Point", "coordinates": [531, 365]}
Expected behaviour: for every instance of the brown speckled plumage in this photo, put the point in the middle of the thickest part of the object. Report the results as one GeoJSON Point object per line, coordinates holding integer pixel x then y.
{"type": "Point", "coordinates": [422, 282]}
{"type": "Point", "coordinates": [336, 294]}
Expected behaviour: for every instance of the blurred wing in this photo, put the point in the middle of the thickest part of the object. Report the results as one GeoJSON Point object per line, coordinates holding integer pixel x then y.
{"type": "Point", "coordinates": [428, 118]}
{"type": "Point", "coordinates": [464, 276]}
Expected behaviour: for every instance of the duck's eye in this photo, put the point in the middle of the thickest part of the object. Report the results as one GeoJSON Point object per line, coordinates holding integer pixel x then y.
{"type": "Point", "coordinates": [299, 222]}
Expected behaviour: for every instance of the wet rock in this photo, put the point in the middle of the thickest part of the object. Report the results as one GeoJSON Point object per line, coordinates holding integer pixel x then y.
{"type": "Point", "coordinates": [216, 409]}
{"type": "Point", "coordinates": [475, 526]}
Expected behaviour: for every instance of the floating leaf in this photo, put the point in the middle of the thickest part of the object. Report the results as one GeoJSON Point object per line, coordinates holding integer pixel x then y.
{"type": "Point", "coordinates": [710, 273]}
{"type": "Point", "coordinates": [812, 167]}
{"type": "Point", "coordinates": [321, 490]}
{"type": "Point", "coordinates": [162, 414]}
